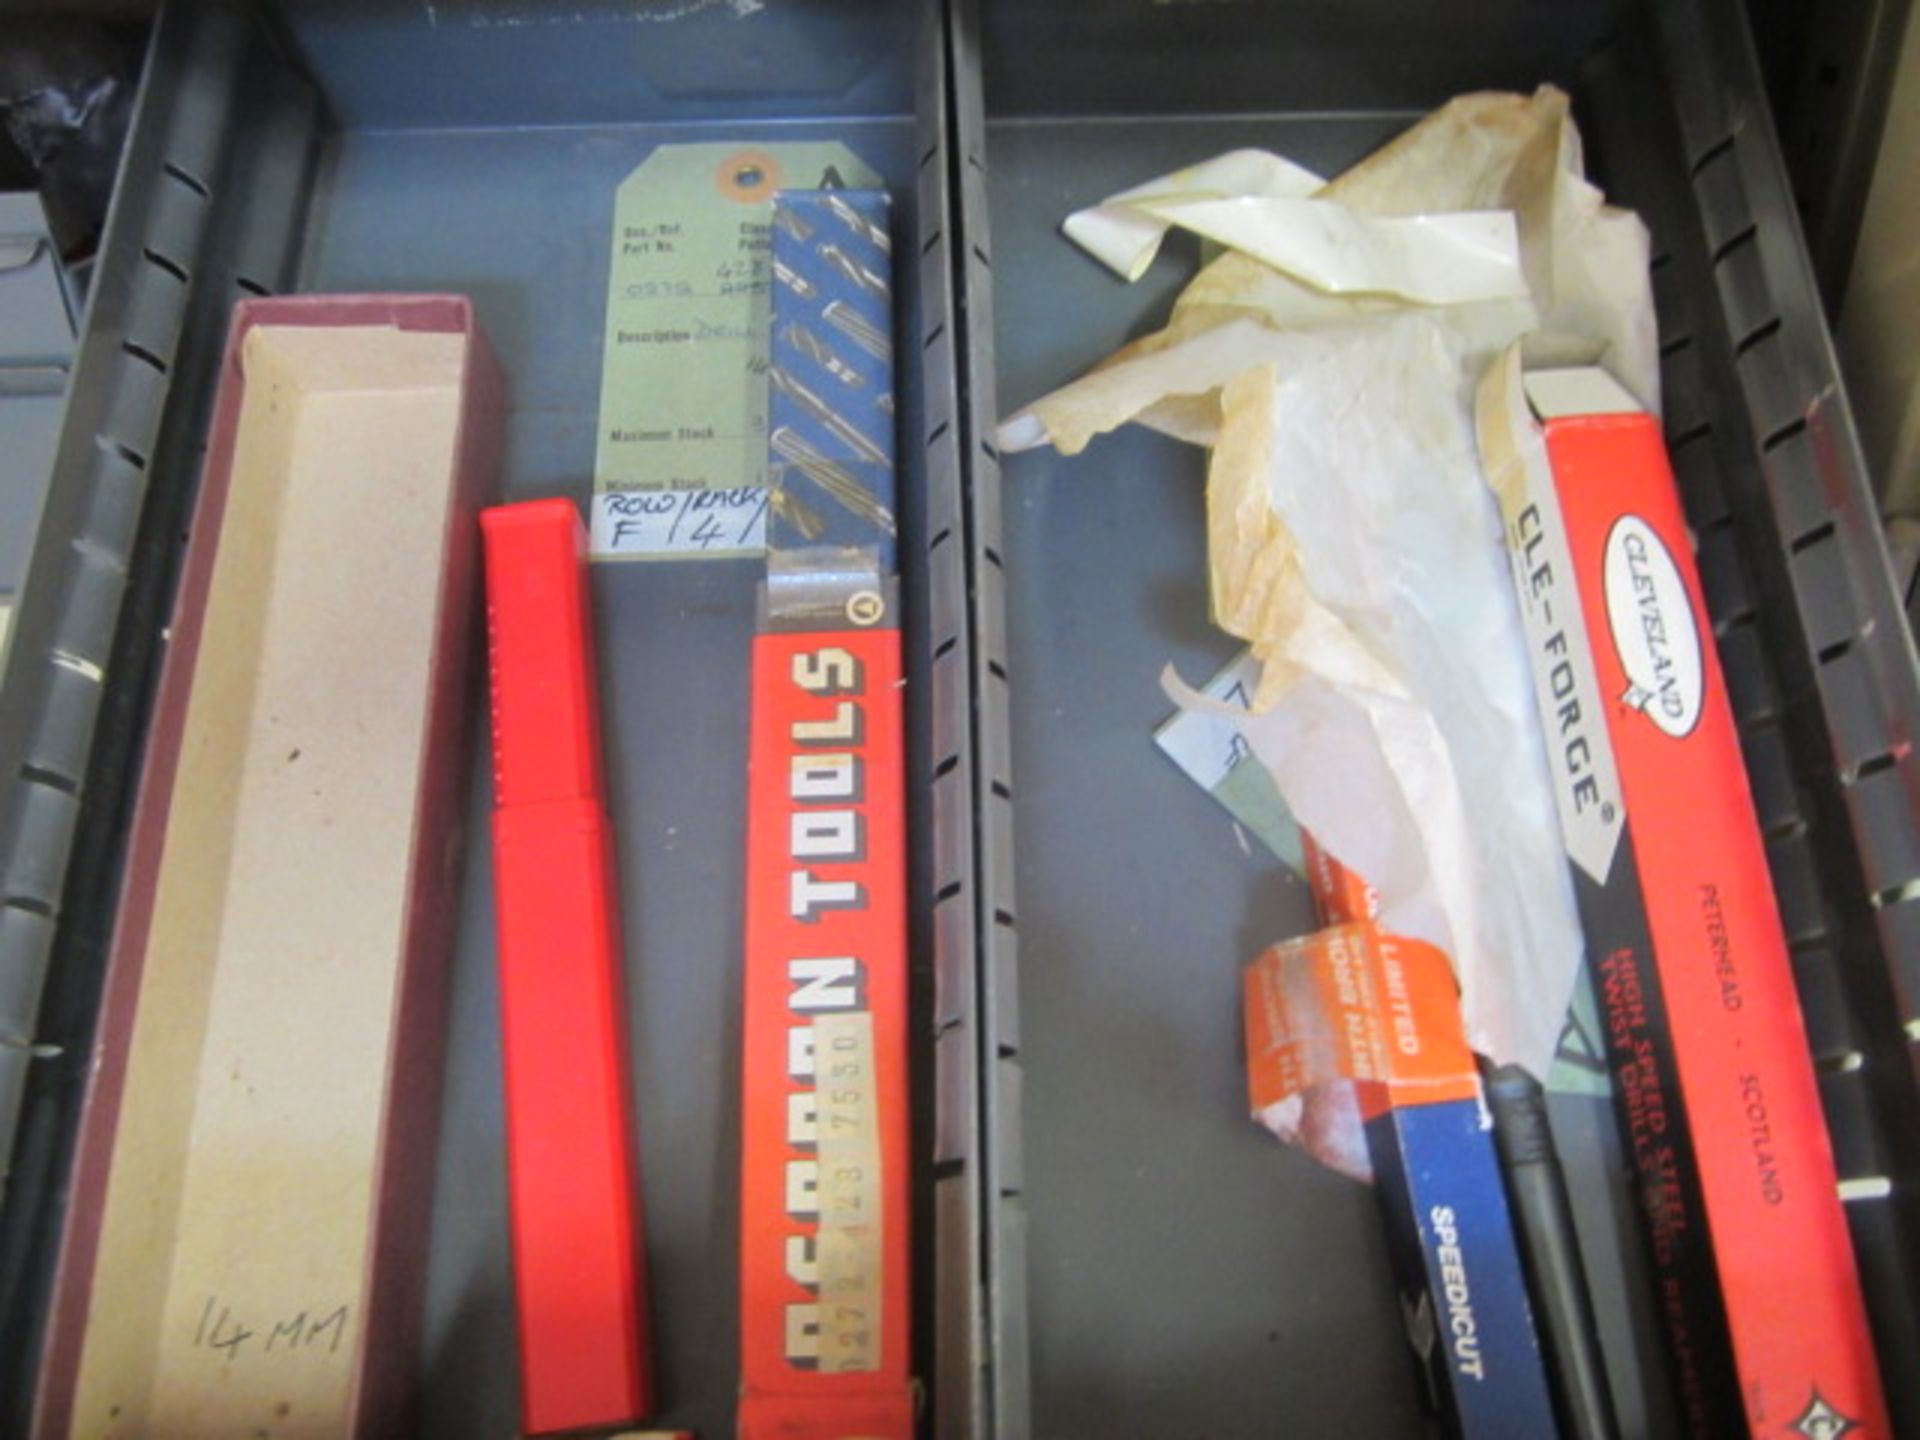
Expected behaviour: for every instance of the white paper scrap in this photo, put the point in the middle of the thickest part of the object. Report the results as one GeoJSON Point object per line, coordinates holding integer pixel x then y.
{"type": "Point", "coordinates": [1124, 231]}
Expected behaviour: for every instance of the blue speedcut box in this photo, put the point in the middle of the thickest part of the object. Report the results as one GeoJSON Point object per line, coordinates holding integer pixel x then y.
{"type": "Point", "coordinates": [1353, 1007]}
{"type": "Point", "coordinates": [1458, 1268]}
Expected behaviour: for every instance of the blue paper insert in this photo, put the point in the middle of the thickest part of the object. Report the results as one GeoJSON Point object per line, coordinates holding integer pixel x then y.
{"type": "Point", "coordinates": [830, 411]}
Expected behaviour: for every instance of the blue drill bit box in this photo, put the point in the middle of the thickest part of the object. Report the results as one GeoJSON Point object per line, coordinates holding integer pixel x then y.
{"type": "Point", "coordinates": [1353, 1020]}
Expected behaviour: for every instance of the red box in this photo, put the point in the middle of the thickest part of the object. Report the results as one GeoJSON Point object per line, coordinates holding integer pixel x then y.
{"type": "Point", "coordinates": [245, 1244]}
{"type": "Point", "coordinates": [1711, 1070]}
{"type": "Point", "coordinates": [824, 1262]}
{"type": "Point", "coordinates": [579, 1276]}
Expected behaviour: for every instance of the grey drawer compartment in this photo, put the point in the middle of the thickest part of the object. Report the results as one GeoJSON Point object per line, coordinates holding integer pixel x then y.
{"type": "Point", "coordinates": [1103, 1245]}
{"type": "Point", "coordinates": [474, 147]}
{"type": "Point", "coordinates": [1156, 1264]}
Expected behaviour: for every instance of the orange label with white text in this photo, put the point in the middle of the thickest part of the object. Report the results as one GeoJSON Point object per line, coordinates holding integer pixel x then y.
{"type": "Point", "coordinates": [1352, 1004]}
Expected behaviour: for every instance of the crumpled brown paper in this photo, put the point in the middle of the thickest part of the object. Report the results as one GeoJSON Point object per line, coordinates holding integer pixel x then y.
{"type": "Point", "coordinates": [1353, 544]}
{"type": "Point", "coordinates": [1585, 265]}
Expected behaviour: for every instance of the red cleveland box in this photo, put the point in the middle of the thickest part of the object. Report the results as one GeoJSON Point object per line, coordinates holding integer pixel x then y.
{"type": "Point", "coordinates": [245, 1246]}
{"type": "Point", "coordinates": [1711, 1071]}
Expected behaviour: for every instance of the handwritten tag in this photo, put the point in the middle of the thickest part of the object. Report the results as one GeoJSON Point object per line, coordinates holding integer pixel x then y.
{"type": "Point", "coordinates": [683, 379]}
{"type": "Point", "coordinates": [848, 1243]}
{"type": "Point", "coordinates": [1207, 746]}
{"type": "Point", "coordinates": [1218, 759]}
{"type": "Point", "coordinates": [712, 523]}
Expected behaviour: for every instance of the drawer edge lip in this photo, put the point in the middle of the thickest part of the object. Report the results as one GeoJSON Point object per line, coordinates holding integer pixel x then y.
{"type": "Point", "coordinates": [186, 222]}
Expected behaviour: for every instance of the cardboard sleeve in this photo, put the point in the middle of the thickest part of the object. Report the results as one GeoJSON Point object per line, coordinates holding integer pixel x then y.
{"type": "Point", "coordinates": [244, 1249]}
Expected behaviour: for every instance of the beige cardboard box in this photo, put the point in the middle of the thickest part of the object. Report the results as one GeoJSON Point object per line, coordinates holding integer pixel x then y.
{"type": "Point", "coordinates": [246, 1235]}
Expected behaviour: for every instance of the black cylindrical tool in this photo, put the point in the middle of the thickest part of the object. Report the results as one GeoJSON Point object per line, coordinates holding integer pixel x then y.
{"type": "Point", "coordinates": [1543, 1217]}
